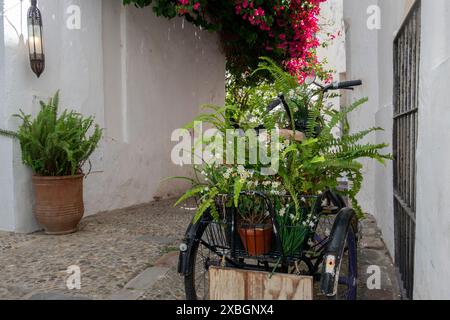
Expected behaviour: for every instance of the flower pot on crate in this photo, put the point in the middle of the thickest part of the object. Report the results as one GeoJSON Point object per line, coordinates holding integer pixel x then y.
{"type": "Point", "coordinates": [59, 205]}
{"type": "Point", "coordinates": [257, 239]}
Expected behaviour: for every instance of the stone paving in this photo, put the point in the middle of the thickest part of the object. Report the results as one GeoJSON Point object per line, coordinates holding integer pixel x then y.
{"type": "Point", "coordinates": [131, 254]}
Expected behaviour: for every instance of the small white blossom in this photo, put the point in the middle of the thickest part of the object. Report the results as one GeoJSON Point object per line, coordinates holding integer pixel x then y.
{"type": "Point", "coordinates": [282, 212]}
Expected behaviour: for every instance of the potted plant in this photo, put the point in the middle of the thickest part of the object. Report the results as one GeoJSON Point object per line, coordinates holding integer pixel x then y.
{"type": "Point", "coordinates": [307, 166]}
{"type": "Point", "coordinates": [255, 226]}
{"type": "Point", "coordinates": [56, 147]}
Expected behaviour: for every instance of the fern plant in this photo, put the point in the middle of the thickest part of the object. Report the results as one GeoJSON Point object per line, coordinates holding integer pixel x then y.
{"type": "Point", "coordinates": [56, 145]}
{"type": "Point", "coordinates": [306, 168]}
{"type": "Point", "coordinates": [317, 163]}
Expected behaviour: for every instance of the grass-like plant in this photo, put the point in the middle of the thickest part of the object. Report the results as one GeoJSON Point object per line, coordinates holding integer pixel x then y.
{"type": "Point", "coordinates": [56, 144]}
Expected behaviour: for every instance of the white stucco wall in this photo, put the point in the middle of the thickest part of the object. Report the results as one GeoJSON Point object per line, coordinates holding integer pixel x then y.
{"type": "Point", "coordinates": [171, 69]}
{"type": "Point", "coordinates": [140, 76]}
{"type": "Point", "coordinates": [361, 64]}
{"type": "Point", "coordinates": [370, 58]}
{"type": "Point", "coordinates": [370, 55]}
{"type": "Point", "coordinates": [432, 266]}
{"type": "Point", "coordinates": [331, 21]}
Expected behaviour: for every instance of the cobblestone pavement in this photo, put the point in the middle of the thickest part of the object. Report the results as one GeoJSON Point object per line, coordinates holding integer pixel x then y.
{"type": "Point", "coordinates": [113, 248]}
{"type": "Point", "coordinates": [110, 249]}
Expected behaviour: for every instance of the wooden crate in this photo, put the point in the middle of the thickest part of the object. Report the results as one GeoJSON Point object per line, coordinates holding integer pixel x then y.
{"type": "Point", "coordinates": [234, 284]}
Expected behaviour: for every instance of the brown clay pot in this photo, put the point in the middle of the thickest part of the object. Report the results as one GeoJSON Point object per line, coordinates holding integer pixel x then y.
{"type": "Point", "coordinates": [257, 240]}
{"type": "Point", "coordinates": [59, 205]}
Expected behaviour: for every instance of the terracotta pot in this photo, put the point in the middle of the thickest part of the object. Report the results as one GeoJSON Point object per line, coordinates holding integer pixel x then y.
{"type": "Point", "coordinates": [257, 240]}
{"type": "Point", "coordinates": [59, 205]}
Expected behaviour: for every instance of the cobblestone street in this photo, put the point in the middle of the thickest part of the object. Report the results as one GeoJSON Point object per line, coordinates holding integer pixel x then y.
{"type": "Point", "coordinates": [131, 254]}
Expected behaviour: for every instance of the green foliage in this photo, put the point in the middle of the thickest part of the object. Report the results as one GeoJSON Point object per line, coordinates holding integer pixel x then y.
{"type": "Point", "coordinates": [319, 162]}
{"type": "Point", "coordinates": [56, 145]}
{"type": "Point", "coordinates": [306, 168]}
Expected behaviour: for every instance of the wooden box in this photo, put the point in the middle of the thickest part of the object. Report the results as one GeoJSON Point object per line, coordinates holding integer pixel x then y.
{"type": "Point", "coordinates": [234, 284]}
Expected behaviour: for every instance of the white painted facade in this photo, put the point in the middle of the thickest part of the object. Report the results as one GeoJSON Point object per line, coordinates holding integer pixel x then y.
{"type": "Point", "coordinates": [139, 75]}
{"type": "Point", "coordinates": [370, 57]}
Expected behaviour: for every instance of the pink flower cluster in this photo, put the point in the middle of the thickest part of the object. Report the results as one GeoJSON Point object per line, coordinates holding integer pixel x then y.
{"type": "Point", "coordinates": [291, 27]}
{"type": "Point", "coordinates": [185, 6]}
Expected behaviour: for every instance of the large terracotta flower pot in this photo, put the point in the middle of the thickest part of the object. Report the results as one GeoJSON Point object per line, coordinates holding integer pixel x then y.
{"type": "Point", "coordinates": [257, 240]}
{"type": "Point", "coordinates": [59, 205]}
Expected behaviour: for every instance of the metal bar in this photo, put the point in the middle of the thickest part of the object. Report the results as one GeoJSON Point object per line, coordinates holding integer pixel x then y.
{"type": "Point", "coordinates": [414, 8]}
{"type": "Point", "coordinates": [404, 206]}
{"type": "Point", "coordinates": [406, 113]}
{"type": "Point", "coordinates": [407, 45]}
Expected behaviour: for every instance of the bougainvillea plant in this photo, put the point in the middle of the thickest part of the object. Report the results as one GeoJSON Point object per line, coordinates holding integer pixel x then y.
{"type": "Point", "coordinates": [283, 30]}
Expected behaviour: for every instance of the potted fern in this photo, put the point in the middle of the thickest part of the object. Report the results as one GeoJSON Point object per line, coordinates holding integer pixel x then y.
{"type": "Point", "coordinates": [56, 147]}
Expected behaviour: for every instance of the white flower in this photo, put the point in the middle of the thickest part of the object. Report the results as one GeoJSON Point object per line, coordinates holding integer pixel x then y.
{"type": "Point", "coordinates": [291, 94]}
{"type": "Point", "coordinates": [275, 185]}
{"type": "Point", "coordinates": [241, 169]}
{"type": "Point", "coordinates": [226, 175]}
{"type": "Point", "coordinates": [282, 212]}
{"type": "Point", "coordinates": [292, 217]}
{"type": "Point", "coordinates": [312, 224]}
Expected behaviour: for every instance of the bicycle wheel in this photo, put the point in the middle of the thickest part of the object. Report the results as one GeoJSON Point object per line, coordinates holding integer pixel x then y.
{"type": "Point", "coordinates": [347, 271]}
{"type": "Point", "coordinates": [332, 203]}
{"type": "Point", "coordinates": [200, 259]}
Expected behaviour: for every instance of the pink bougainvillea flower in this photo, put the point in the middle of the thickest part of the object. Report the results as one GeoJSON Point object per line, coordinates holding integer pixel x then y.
{"type": "Point", "coordinates": [290, 27]}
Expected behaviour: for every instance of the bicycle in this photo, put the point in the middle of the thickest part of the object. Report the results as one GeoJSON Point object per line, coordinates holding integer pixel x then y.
{"type": "Point", "coordinates": [329, 254]}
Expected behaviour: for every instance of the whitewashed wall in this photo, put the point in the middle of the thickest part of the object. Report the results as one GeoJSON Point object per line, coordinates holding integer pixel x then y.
{"type": "Point", "coordinates": [331, 21]}
{"type": "Point", "coordinates": [140, 76]}
{"type": "Point", "coordinates": [362, 64]}
{"type": "Point", "coordinates": [370, 56]}
{"type": "Point", "coordinates": [432, 266]}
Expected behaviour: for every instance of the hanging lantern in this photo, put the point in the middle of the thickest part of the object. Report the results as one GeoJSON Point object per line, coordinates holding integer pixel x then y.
{"type": "Point", "coordinates": [35, 45]}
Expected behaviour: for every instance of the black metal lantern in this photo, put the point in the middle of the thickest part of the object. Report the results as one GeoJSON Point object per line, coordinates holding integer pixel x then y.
{"type": "Point", "coordinates": [35, 44]}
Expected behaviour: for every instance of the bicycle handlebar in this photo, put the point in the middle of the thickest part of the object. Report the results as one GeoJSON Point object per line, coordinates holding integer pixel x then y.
{"type": "Point", "coordinates": [343, 85]}
{"type": "Point", "coordinates": [275, 103]}
{"type": "Point", "coordinates": [334, 86]}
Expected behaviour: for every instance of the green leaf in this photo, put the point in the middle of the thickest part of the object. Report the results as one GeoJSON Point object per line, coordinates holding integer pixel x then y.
{"type": "Point", "coordinates": [318, 159]}
{"type": "Point", "coordinates": [202, 208]}
{"type": "Point", "coordinates": [190, 194]}
{"type": "Point", "coordinates": [238, 185]}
